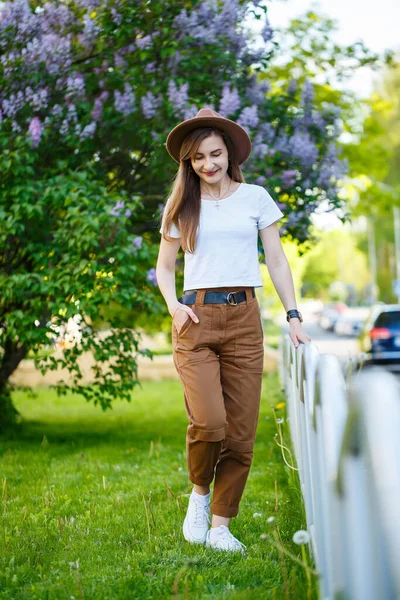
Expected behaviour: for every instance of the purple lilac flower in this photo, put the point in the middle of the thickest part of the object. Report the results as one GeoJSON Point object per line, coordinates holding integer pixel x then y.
{"type": "Point", "coordinates": [9, 108]}
{"type": "Point", "coordinates": [181, 20]}
{"type": "Point", "coordinates": [248, 117]}
{"type": "Point", "coordinates": [151, 276]}
{"type": "Point", "coordinates": [191, 112]}
{"type": "Point", "coordinates": [289, 178]}
{"type": "Point", "coordinates": [144, 42]}
{"type": "Point", "coordinates": [260, 149]}
{"type": "Point", "coordinates": [56, 110]}
{"type": "Point", "coordinates": [267, 31]}
{"type": "Point", "coordinates": [88, 130]}
{"type": "Point", "coordinates": [150, 104]}
{"type": "Point", "coordinates": [318, 120]}
{"type": "Point", "coordinates": [281, 205]}
{"type": "Point", "coordinates": [268, 132]}
{"type": "Point", "coordinates": [230, 10]}
{"type": "Point", "coordinates": [64, 127]}
{"type": "Point", "coordinates": [72, 115]}
{"type": "Point", "coordinates": [90, 29]}
{"type": "Point", "coordinates": [137, 242]}
{"type": "Point", "coordinates": [116, 210]}
{"type": "Point", "coordinates": [128, 213]}
{"type": "Point", "coordinates": [230, 101]}
{"type": "Point", "coordinates": [150, 67]}
{"type": "Point", "coordinates": [119, 61]}
{"type": "Point", "coordinates": [35, 131]}
{"type": "Point", "coordinates": [116, 17]}
{"type": "Point", "coordinates": [302, 147]}
{"type": "Point", "coordinates": [260, 180]}
{"type": "Point", "coordinates": [97, 110]}
{"type": "Point", "coordinates": [256, 93]}
{"type": "Point", "coordinates": [178, 97]}
{"type": "Point", "coordinates": [76, 85]}
{"type": "Point", "coordinates": [15, 127]}
{"type": "Point", "coordinates": [124, 103]}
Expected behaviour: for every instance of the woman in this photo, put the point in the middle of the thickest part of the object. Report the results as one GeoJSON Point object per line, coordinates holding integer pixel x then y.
{"type": "Point", "coordinates": [217, 332]}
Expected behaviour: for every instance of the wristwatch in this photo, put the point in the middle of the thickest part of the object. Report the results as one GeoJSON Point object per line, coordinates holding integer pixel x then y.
{"type": "Point", "coordinates": [293, 312]}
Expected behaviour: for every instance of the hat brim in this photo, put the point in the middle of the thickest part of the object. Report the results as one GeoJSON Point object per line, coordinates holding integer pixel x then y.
{"type": "Point", "coordinates": [239, 136]}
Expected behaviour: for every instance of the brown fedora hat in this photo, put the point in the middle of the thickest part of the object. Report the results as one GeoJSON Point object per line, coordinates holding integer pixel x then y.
{"type": "Point", "coordinates": [206, 117]}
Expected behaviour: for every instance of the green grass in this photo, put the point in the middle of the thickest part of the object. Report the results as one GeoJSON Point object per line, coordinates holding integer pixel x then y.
{"type": "Point", "coordinates": [93, 505]}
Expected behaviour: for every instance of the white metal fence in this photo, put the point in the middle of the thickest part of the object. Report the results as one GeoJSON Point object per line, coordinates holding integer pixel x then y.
{"type": "Point", "coordinates": [346, 439]}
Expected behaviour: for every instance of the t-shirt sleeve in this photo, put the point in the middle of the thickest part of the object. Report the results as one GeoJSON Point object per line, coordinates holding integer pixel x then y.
{"type": "Point", "coordinates": [269, 212]}
{"type": "Point", "coordinates": [173, 231]}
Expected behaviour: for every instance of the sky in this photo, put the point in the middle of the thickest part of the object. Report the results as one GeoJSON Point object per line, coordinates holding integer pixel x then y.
{"type": "Point", "coordinates": [375, 23]}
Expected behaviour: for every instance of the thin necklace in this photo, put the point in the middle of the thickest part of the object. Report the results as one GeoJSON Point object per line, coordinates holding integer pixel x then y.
{"type": "Point", "coordinates": [218, 199]}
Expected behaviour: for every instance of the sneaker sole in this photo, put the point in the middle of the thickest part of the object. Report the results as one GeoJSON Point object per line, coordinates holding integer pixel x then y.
{"type": "Point", "coordinates": [189, 538]}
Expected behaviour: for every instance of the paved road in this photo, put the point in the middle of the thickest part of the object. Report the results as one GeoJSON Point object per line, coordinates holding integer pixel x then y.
{"type": "Point", "coordinates": [326, 341]}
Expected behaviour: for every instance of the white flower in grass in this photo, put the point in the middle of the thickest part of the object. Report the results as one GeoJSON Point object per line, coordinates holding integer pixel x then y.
{"type": "Point", "coordinates": [257, 515]}
{"type": "Point", "coordinates": [280, 421]}
{"type": "Point", "coordinates": [263, 536]}
{"type": "Point", "coordinates": [301, 537]}
{"type": "Point", "coordinates": [270, 519]}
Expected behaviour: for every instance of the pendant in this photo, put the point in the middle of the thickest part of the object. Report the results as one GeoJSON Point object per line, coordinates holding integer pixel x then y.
{"type": "Point", "coordinates": [217, 205]}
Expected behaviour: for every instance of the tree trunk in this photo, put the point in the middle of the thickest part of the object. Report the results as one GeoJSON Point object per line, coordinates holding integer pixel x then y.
{"type": "Point", "coordinates": [9, 415]}
{"type": "Point", "coordinates": [13, 354]}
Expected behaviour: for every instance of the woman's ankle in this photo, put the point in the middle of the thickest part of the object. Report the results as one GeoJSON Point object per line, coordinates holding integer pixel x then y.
{"type": "Point", "coordinates": [217, 521]}
{"type": "Point", "coordinates": [203, 490]}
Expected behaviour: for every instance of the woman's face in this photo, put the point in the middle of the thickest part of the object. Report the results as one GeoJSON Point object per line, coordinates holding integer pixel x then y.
{"type": "Point", "coordinates": [211, 160]}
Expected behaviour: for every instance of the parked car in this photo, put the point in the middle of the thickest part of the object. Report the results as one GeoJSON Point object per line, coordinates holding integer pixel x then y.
{"type": "Point", "coordinates": [351, 321]}
{"type": "Point", "coordinates": [330, 314]}
{"type": "Point", "coordinates": [379, 341]}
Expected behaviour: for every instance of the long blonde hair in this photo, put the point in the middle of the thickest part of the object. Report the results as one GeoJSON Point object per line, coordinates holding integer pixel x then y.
{"type": "Point", "coordinates": [184, 200]}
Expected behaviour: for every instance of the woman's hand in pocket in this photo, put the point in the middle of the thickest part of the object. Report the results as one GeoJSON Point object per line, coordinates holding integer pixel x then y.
{"type": "Point", "coordinates": [181, 315]}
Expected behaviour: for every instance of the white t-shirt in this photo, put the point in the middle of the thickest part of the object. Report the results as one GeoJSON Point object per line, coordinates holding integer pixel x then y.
{"type": "Point", "coordinates": [226, 252]}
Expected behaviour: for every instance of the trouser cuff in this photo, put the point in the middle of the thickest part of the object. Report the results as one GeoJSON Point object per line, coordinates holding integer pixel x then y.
{"type": "Point", "coordinates": [207, 435]}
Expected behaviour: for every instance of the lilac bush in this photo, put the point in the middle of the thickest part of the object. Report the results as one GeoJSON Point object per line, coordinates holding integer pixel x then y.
{"type": "Point", "coordinates": [80, 78]}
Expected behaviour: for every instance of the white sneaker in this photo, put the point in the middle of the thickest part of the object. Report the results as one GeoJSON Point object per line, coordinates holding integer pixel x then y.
{"type": "Point", "coordinates": [197, 520]}
{"type": "Point", "coordinates": [223, 540]}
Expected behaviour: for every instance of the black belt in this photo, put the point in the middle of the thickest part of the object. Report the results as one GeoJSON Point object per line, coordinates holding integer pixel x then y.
{"type": "Point", "coordinates": [232, 298]}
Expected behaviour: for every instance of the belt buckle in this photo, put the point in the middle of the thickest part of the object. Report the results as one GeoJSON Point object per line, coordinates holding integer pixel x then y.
{"type": "Point", "coordinates": [228, 299]}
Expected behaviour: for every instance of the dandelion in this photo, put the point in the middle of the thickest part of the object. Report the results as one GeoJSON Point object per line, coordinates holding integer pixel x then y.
{"type": "Point", "coordinates": [301, 537]}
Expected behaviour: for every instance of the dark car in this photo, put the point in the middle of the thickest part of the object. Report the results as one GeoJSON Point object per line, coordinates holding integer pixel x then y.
{"type": "Point", "coordinates": [379, 340]}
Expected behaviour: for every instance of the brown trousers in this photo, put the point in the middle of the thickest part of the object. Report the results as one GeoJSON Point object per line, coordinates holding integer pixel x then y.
{"type": "Point", "coordinates": [220, 363]}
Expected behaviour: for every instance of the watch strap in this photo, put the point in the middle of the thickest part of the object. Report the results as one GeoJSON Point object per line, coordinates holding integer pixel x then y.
{"type": "Point", "coordinates": [293, 313]}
